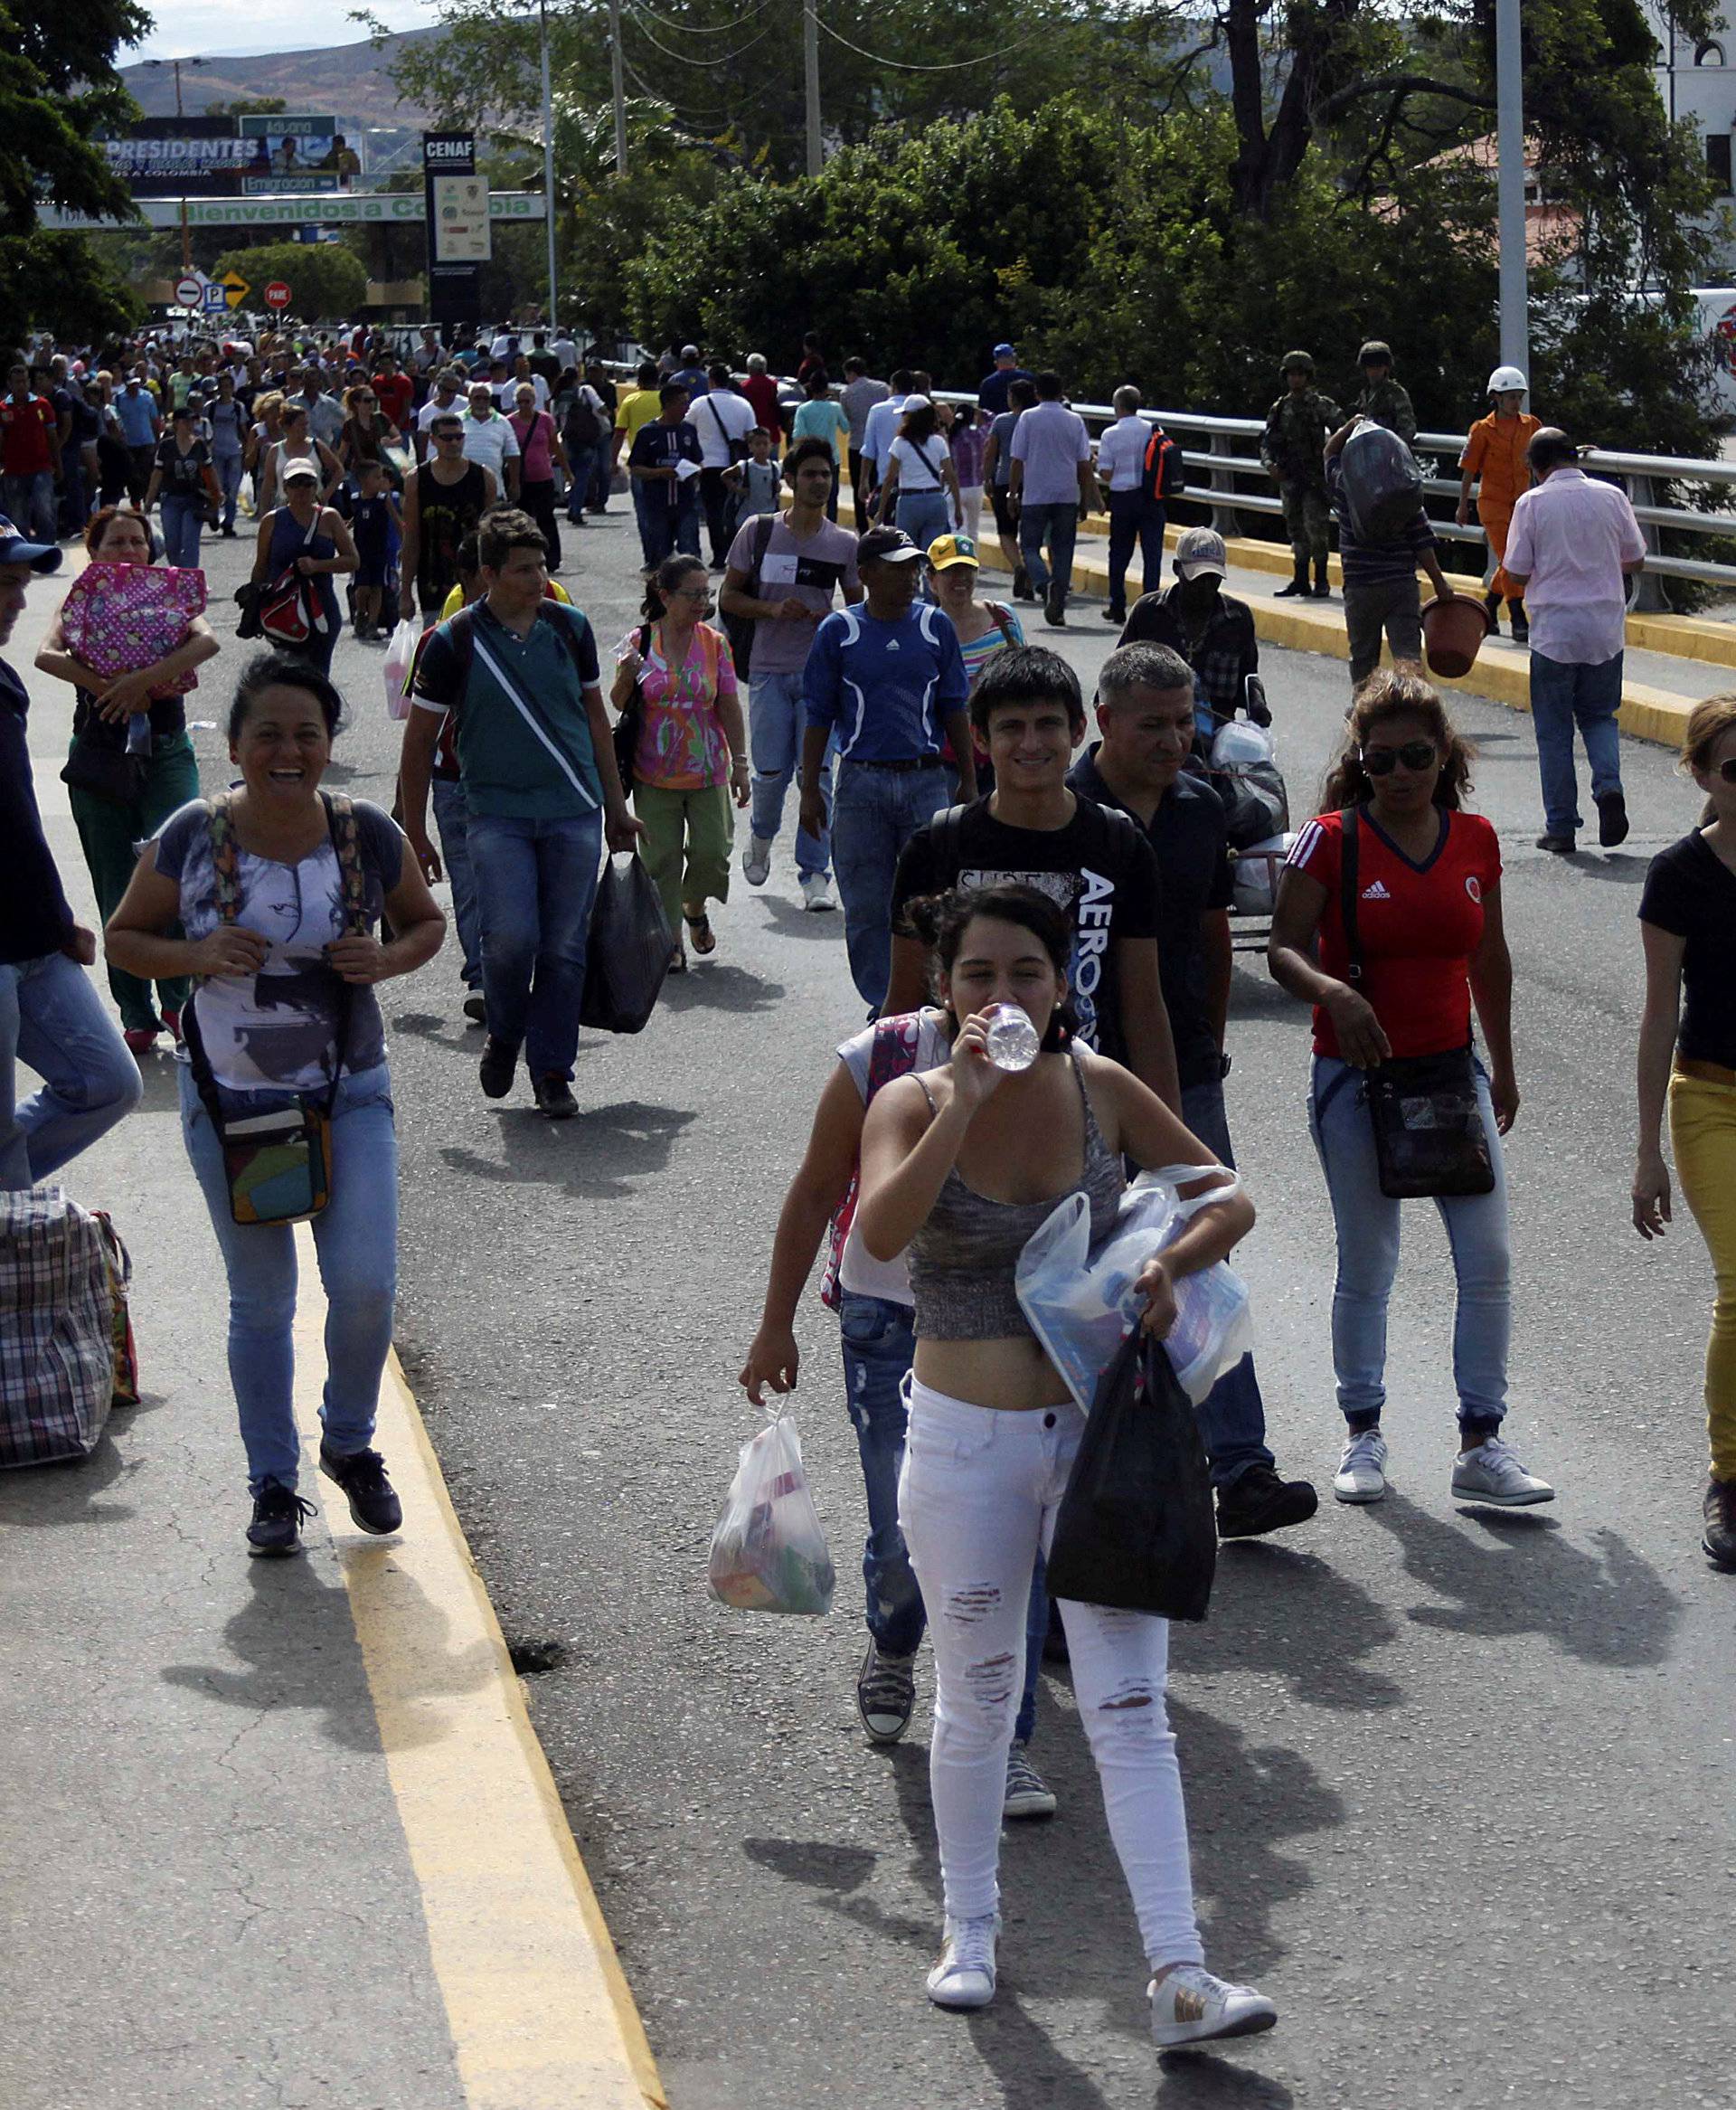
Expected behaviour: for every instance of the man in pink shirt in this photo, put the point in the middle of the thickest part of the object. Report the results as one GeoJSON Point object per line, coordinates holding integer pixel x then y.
{"type": "Point", "coordinates": [1572, 542]}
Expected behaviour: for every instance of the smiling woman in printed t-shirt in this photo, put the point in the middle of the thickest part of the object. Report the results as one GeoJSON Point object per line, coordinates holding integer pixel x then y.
{"type": "Point", "coordinates": [1429, 930]}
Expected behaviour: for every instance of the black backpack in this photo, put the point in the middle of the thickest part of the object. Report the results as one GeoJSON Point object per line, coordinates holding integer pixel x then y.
{"type": "Point", "coordinates": [739, 629]}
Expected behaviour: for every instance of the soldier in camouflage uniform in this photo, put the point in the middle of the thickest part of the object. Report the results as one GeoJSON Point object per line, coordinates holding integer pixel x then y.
{"type": "Point", "coordinates": [1292, 448]}
{"type": "Point", "coordinates": [1384, 401]}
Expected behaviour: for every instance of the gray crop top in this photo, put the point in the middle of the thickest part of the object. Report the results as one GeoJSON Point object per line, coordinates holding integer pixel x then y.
{"type": "Point", "coordinates": [962, 1260]}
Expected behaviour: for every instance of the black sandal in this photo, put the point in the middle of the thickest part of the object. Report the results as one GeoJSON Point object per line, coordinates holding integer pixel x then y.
{"type": "Point", "coordinates": [704, 937]}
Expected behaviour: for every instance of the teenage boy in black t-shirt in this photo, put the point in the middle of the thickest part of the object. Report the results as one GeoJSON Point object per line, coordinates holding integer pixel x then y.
{"type": "Point", "coordinates": [1031, 828]}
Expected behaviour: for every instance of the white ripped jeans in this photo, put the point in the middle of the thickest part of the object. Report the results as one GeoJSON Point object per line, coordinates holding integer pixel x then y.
{"type": "Point", "coordinates": [978, 1494]}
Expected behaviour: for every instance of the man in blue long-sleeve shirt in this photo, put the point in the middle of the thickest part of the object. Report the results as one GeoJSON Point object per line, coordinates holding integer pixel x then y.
{"type": "Point", "coordinates": [889, 679]}
{"type": "Point", "coordinates": [50, 1017]}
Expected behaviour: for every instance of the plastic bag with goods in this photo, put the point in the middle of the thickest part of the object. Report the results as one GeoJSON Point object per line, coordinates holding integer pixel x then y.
{"type": "Point", "coordinates": [1254, 882]}
{"type": "Point", "coordinates": [399, 656]}
{"type": "Point", "coordinates": [1081, 1303]}
{"type": "Point", "coordinates": [769, 1553]}
{"type": "Point", "coordinates": [1382, 483]}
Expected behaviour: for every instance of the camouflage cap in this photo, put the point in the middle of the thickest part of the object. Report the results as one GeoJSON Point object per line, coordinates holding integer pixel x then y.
{"type": "Point", "coordinates": [1374, 354]}
{"type": "Point", "coordinates": [1298, 363]}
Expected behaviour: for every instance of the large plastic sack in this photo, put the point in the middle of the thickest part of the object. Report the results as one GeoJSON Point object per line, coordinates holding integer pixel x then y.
{"type": "Point", "coordinates": [1135, 1529]}
{"type": "Point", "coordinates": [1253, 885]}
{"type": "Point", "coordinates": [628, 953]}
{"type": "Point", "coordinates": [400, 653]}
{"type": "Point", "coordinates": [1081, 1303]}
{"type": "Point", "coordinates": [769, 1553]}
{"type": "Point", "coordinates": [63, 1272]}
{"type": "Point", "coordinates": [1382, 485]}
{"type": "Point", "coordinates": [1245, 771]}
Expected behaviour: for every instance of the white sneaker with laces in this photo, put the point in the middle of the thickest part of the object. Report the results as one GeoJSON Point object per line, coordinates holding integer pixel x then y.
{"type": "Point", "coordinates": [1361, 1476]}
{"type": "Point", "coordinates": [816, 892]}
{"type": "Point", "coordinates": [1491, 1473]}
{"type": "Point", "coordinates": [1188, 2005]}
{"type": "Point", "coordinates": [964, 1975]}
{"type": "Point", "coordinates": [756, 860]}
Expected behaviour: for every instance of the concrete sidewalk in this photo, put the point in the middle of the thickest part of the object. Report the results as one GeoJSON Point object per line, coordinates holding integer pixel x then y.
{"type": "Point", "coordinates": [275, 1833]}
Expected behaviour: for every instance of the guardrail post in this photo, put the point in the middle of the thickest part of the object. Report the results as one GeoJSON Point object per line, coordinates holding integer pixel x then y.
{"type": "Point", "coordinates": [1649, 597]}
{"type": "Point", "coordinates": [1224, 517]}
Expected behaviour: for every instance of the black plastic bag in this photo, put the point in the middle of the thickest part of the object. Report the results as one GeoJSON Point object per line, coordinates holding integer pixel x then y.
{"type": "Point", "coordinates": [627, 951]}
{"type": "Point", "coordinates": [1382, 483]}
{"type": "Point", "coordinates": [1136, 1530]}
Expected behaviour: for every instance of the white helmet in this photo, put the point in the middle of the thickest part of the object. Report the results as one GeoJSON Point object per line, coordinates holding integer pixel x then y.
{"type": "Point", "coordinates": [1506, 378]}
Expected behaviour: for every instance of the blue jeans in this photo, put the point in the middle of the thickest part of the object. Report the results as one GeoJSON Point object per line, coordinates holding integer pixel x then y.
{"type": "Point", "coordinates": [183, 517]}
{"type": "Point", "coordinates": [452, 818]}
{"type": "Point", "coordinates": [584, 463]}
{"type": "Point", "coordinates": [1562, 696]}
{"type": "Point", "coordinates": [1133, 518]}
{"type": "Point", "coordinates": [776, 720]}
{"type": "Point", "coordinates": [28, 502]}
{"type": "Point", "coordinates": [229, 478]}
{"type": "Point", "coordinates": [1060, 525]}
{"type": "Point", "coordinates": [355, 1235]}
{"type": "Point", "coordinates": [51, 1018]}
{"type": "Point", "coordinates": [924, 515]}
{"type": "Point", "coordinates": [878, 1339]}
{"type": "Point", "coordinates": [1367, 1224]}
{"type": "Point", "coordinates": [536, 883]}
{"type": "Point", "coordinates": [663, 528]}
{"type": "Point", "coordinates": [1232, 1416]}
{"type": "Point", "coordinates": [876, 813]}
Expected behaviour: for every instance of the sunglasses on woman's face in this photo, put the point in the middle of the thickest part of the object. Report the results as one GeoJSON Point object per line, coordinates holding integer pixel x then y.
{"type": "Point", "coordinates": [1727, 769]}
{"type": "Point", "coordinates": [1415, 755]}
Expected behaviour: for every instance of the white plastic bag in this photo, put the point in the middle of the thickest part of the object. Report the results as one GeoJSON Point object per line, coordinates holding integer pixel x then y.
{"type": "Point", "coordinates": [1254, 883]}
{"type": "Point", "coordinates": [769, 1553]}
{"type": "Point", "coordinates": [399, 656]}
{"type": "Point", "coordinates": [1082, 1303]}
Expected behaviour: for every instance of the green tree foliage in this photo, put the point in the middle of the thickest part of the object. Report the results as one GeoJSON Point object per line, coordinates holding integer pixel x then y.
{"type": "Point", "coordinates": [324, 278]}
{"type": "Point", "coordinates": [58, 87]}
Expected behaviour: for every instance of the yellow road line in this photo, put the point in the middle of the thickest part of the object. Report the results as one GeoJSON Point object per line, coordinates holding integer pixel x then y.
{"type": "Point", "coordinates": [540, 2011]}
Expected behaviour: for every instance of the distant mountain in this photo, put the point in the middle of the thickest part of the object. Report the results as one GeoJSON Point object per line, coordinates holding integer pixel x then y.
{"type": "Point", "coordinates": [353, 82]}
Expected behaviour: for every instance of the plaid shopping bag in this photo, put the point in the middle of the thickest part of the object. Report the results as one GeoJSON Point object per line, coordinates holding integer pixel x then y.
{"type": "Point", "coordinates": [57, 1327]}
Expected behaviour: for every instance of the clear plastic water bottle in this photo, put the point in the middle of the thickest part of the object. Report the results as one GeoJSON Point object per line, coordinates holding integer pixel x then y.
{"type": "Point", "coordinates": [1013, 1043]}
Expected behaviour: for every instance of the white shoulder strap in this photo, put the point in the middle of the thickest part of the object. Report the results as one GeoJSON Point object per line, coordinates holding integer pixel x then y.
{"type": "Point", "coordinates": [516, 696]}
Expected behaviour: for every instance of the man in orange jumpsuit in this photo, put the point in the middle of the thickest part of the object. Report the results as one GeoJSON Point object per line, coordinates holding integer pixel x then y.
{"type": "Point", "coordinates": [1494, 451]}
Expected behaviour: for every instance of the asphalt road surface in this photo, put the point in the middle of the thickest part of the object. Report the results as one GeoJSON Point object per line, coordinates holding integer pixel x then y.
{"type": "Point", "coordinates": [1458, 1782]}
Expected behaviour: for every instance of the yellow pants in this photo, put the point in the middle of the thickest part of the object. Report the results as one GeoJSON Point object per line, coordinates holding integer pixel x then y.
{"type": "Point", "coordinates": [1703, 1133]}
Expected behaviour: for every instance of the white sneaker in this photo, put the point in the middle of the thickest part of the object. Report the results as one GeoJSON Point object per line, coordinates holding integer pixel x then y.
{"type": "Point", "coordinates": [1361, 1476]}
{"type": "Point", "coordinates": [1189, 2005]}
{"type": "Point", "coordinates": [756, 860]}
{"type": "Point", "coordinates": [816, 892]}
{"type": "Point", "coordinates": [1491, 1473]}
{"type": "Point", "coordinates": [964, 1975]}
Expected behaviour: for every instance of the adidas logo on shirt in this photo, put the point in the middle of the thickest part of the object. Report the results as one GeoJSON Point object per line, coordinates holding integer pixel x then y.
{"type": "Point", "coordinates": [1376, 891]}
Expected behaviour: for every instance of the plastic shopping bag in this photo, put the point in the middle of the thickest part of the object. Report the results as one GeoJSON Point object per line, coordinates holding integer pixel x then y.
{"type": "Point", "coordinates": [628, 953]}
{"type": "Point", "coordinates": [769, 1553]}
{"type": "Point", "coordinates": [400, 653]}
{"type": "Point", "coordinates": [1135, 1528]}
{"type": "Point", "coordinates": [1081, 1304]}
{"type": "Point", "coordinates": [1382, 483]}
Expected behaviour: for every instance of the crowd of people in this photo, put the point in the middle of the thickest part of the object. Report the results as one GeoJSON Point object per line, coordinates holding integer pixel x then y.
{"type": "Point", "coordinates": [987, 852]}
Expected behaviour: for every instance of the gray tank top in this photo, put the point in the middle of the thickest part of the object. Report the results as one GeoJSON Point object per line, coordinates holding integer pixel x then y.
{"type": "Point", "coordinates": [962, 1260]}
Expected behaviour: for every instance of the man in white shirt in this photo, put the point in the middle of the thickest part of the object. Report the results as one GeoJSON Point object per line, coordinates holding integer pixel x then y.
{"type": "Point", "coordinates": [878, 433]}
{"type": "Point", "coordinates": [447, 396]}
{"type": "Point", "coordinates": [523, 374]}
{"type": "Point", "coordinates": [723, 419]}
{"type": "Point", "coordinates": [564, 353]}
{"type": "Point", "coordinates": [1050, 492]}
{"type": "Point", "coordinates": [1572, 542]}
{"type": "Point", "coordinates": [1133, 517]}
{"type": "Point", "coordinates": [489, 439]}
{"type": "Point", "coordinates": [325, 413]}
{"type": "Point", "coordinates": [430, 354]}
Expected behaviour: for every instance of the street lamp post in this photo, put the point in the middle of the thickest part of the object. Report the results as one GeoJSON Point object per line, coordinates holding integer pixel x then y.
{"type": "Point", "coordinates": [548, 153]}
{"type": "Point", "coordinates": [1510, 182]}
{"type": "Point", "coordinates": [186, 232]}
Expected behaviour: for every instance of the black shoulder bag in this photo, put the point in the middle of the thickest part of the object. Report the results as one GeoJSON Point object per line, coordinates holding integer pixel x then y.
{"type": "Point", "coordinates": [1430, 1137]}
{"type": "Point", "coordinates": [631, 722]}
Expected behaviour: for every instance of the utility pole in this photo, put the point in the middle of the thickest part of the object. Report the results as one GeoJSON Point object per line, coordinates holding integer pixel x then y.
{"type": "Point", "coordinates": [1510, 172]}
{"type": "Point", "coordinates": [548, 152]}
{"type": "Point", "coordinates": [186, 233]}
{"type": "Point", "coordinates": [811, 82]}
{"type": "Point", "coordinates": [619, 79]}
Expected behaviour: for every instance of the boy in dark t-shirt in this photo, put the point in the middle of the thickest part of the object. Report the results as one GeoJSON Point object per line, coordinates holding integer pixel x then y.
{"type": "Point", "coordinates": [1032, 829]}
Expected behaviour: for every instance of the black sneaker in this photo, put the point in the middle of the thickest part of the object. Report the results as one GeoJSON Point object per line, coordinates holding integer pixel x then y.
{"type": "Point", "coordinates": [476, 1009]}
{"type": "Point", "coordinates": [1054, 609]}
{"type": "Point", "coordinates": [1114, 615]}
{"type": "Point", "coordinates": [1021, 585]}
{"type": "Point", "coordinates": [554, 1097]}
{"type": "Point", "coordinates": [1718, 1540]}
{"type": "Point", "coordinates": [279, 1512]}
{"type": "Point", "coordinates": [498, 1068]}
{"type": "Point", "coordinates": [1257, 1501]}
{"type": "Point", "coordinates": [885, 1694]}
{"type": "Point", "coordinates": [1612, 821]}
{"type": "Point", "coordinates": [363, 1477]}
{"type": "Point", "coordinates": [1558, 845]}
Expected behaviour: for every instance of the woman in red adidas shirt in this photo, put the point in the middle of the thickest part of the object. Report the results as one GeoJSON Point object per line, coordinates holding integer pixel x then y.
{"type": "Point", "coordinates": [1429, 918]}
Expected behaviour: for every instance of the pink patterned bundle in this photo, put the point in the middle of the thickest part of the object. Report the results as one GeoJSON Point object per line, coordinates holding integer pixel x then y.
{"type": "Point", "coordinates": [118, 618]}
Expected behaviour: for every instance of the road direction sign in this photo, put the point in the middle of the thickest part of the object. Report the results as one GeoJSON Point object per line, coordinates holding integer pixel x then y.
{"type": "Point", "coordinates": [235, 288]}
{"type": "Point", "coordinates": [189, 292]}
{"type": "Point", "coordinates": [277, 294]}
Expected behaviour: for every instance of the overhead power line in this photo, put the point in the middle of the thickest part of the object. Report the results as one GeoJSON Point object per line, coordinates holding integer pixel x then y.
{"type": "Point", "coordinates": [681, 58]}
{"type": "Point", "coordinates": [696, 29]}
{"type": "Point", "coordinates": [949, 66]}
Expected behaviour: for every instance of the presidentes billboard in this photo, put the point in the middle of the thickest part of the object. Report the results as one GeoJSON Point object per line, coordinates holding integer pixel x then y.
{"type": "Point", "coordinates": [248, 156]}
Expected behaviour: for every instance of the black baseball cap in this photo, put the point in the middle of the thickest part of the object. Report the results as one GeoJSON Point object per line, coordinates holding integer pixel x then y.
{"type": "Point", "coordinates": [888, 546]}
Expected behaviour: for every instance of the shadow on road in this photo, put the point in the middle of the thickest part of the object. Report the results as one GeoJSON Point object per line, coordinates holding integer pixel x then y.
{"type": "Point", "coordinates": [720, 986]}
{"type": "Point", "coordinates": [604, 1153]}
{"type": "Point", "coordinates": [1292, 1615]}
{"type": "Point", "coordinates": [789, 919]}
{"type": "Point", "coordinates": [1515, 1572]}
{"type": "Point", "coordinates": [32, 1496]}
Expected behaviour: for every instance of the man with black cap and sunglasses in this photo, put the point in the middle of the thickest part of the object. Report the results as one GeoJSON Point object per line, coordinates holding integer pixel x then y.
{"type": "Point", "coordinates": [51, 1015]}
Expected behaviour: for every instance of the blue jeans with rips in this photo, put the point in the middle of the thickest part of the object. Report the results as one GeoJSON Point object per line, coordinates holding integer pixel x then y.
{"type": "Point", "coordinates": [1563, 697]}
{"type": "Point", "coordinates": [1232, 1416]}
{"type": "Point", "coordinates": [776, 718]}
{"type": "Point", "coordinates": [1058, 525]}
{"type": "Point", "coordinates": [878, 1339]}
{"type": "Point", "coordinates": [1367, 1224]}
{"type": "Point", "coordinates": [876, 813]}
{"type": "Point", "coordinates": [536, 881]}
{"type": "Point", "coordinates": [452, 818]}
{"type": "Point", "coordinates": [51, 1018]}
{"type": "Point", "coordinates": [355, 1235]}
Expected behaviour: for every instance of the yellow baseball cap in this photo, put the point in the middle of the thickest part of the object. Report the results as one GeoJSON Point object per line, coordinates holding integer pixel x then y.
{"type": "Point", "coordinates": [948, 550]}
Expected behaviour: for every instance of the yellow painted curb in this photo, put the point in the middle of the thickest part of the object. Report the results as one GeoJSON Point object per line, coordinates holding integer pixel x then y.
{"type": "Point", "coordinates": [540, 2011]}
